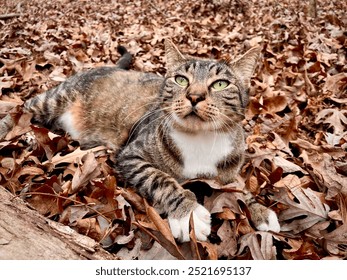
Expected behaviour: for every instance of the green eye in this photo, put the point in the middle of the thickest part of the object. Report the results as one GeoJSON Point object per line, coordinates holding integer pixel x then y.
{"type": "Point", "coordinates": [220, 84]}
{"type": "Point", "coordinates": [182, 81]}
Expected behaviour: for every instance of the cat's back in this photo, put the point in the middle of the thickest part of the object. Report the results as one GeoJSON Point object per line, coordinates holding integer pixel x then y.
{"type": "Point", "coordinates": [98, 106]}
{"type": "Point", "coordinates": [118, 101]}
{"type": "Point", "coordinates": [124, 89]}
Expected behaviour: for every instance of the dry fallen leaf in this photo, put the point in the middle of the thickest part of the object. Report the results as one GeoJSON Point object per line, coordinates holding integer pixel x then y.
{"type": "Point", "coordinates": [73, 157]}
{"type": "Point", "coordinates": [305, 211]}
{"type": "Point", "coordinates": [260, 245]}
{"type": "Point", "coordinates": [89, 169]}
{"type": "Point", "coordinates": [335, 118]}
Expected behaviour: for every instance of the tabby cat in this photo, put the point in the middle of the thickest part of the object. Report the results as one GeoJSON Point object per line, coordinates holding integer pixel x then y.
{"type": "Point", "coordinates": [164, 130]}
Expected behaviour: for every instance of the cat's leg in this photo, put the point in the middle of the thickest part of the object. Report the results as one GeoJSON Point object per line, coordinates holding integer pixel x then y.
{"type": "Point", "coordinates": [166, 194]}
{"type": "Point", "coordinates": [202, 224]}
{"type": "Point", "coordinates": [263, 218]}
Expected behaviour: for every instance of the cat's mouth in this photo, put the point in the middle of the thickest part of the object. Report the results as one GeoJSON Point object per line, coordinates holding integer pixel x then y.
{"type": "Point", "coordinates": [193, 115]}
{"type": "Point", "coordinates": [195, 120]}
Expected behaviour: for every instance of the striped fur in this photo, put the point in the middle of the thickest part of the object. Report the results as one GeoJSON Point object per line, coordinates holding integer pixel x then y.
{"type": "Point", "coordinates": [163, 132]}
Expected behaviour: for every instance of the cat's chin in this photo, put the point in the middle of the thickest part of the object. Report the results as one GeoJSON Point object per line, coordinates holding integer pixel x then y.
{"type": "Point", "coordinates": [193, 123]}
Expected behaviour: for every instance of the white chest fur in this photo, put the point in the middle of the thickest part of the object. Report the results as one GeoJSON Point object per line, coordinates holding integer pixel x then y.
{"type": "Point", "coordinates": [202, 152]}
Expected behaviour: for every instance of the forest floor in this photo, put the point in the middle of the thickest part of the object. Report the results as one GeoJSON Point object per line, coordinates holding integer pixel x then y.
{"type": "Point", "coordinates": [296, 121]}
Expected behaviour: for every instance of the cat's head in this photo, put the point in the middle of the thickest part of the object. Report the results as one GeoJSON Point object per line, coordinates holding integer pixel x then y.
{"type": "Point", "coordinates": [201, 94]}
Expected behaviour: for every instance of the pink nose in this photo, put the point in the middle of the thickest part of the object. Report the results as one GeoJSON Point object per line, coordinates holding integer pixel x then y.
{"type": "Point", "coordinates": [195, 98]}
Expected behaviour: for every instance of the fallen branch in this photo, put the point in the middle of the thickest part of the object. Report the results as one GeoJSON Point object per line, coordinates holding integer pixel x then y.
{"type": "Point", "coordinates": [43, 238]}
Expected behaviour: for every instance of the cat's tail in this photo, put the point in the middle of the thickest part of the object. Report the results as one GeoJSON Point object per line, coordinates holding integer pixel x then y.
{"type": "Point", "coordinates": [126, 58]}
{"type": "Point", "coordinates": [48, 106]}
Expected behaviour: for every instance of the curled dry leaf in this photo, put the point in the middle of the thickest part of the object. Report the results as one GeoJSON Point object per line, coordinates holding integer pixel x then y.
{"type": "Point", "coordinates": [163, 233]}
{"type": "Point", "coordinates": [89, 170]}
{"type": "Point", "coordinates": [73, 157]}
{"type": "Point", "coordinates": [287, 166]}
{"type": "Point", "coordinates": [260, 244]}
{"type": "Point", "coordinates": [133, 198]}
{"type": "Point", "coordinates": [228, 246]}
{"type": "Point", "coordinates": [89, 227]}
{"type": "Point", "coordinates": [322, 169]}
{"type": "Point", "coordinates": [165, 244]}
{"type": "Point", "coordinates": [51, 143]}
{"type": "Point", "coordinates": [20, 124]}
{"type": "Point", "coordinates": [226, 200]}
{"type": "Point", "coordinates": [161, 224]}
{"type": "Point", "coordinates": [193, 241]}
{"type": "Point", "coordinates": [290, 181]}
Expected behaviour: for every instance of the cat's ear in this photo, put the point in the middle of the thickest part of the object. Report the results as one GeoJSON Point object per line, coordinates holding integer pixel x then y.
{"type": "Point", "coordinates": [245, 65]}
{"type": "Point", "coordinates": [174, 57]}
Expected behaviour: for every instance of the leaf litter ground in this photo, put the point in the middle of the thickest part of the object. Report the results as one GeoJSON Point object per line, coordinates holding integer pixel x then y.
{"type": "Point", "coordinates": [295, 123]}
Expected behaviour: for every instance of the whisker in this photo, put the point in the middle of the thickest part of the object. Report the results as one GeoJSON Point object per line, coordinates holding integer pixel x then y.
{"type": "Point", "coordinates": [142, 106]}
{"type": "Point", "coordinates": [164, 124]}
{"type": "Point", "coordinates": [142, 119]}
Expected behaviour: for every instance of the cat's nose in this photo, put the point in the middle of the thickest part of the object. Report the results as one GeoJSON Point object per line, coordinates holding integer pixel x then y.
{"type": "Point", "coordinates": [195, 98]}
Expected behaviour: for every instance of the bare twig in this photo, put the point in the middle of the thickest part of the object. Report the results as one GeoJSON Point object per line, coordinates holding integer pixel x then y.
{"type": "Point", "coordinates": [155, 8]}
{"type": "Point", "coordinates": [7, 16]}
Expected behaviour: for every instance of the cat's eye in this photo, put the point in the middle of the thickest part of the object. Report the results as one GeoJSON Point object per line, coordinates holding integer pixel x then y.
{"type": "Point", "coordinates": [220, 84]}
{"type": "Point", "coordinates": [182, 81]}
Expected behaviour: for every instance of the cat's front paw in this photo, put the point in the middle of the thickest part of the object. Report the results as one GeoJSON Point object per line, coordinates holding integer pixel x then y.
{"type": "Point", "coordinates": [271, 223]}
{"type": "Point", "coordinates": [264, 219]}
{"type": "Point", "coordinates": [202, 225]}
